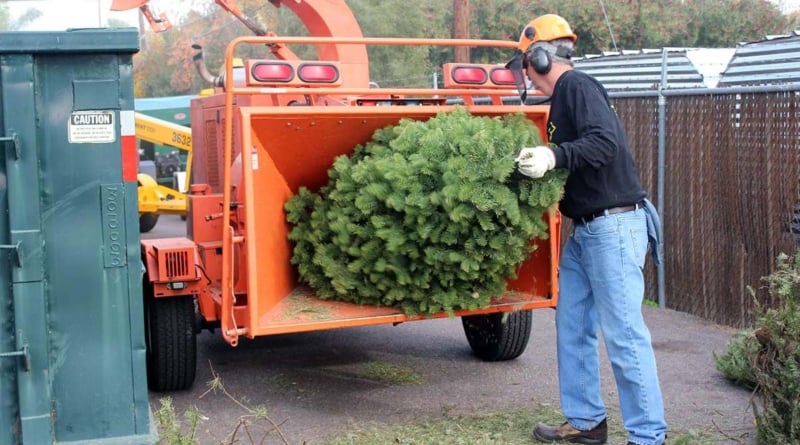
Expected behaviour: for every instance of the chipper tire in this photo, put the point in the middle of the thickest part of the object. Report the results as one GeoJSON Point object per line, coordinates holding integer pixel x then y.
{"type": "Point", "coordinates": [147, 221]}
{"type": "Point", "coordinates": [499, 336]}
{"type": "Point", "coordinates": [171, 343]}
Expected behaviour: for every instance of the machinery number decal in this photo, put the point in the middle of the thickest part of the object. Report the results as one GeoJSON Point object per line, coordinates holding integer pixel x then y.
{"type": "Point", "coordinates": [92, 127]}
{"type": "Point", "coordinates": [112, 198]}
{"type": "Point", "coordinates": [254, 157]}
{"type": "Point", "coordinates": [181, 140]}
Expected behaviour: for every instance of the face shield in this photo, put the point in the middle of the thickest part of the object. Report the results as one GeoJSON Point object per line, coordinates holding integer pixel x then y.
{"type": "Point", "coordinates": [518, 65]}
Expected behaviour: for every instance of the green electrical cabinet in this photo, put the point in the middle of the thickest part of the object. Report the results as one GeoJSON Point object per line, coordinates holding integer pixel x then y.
{"type": "Point", "coordinates": [72, 351]}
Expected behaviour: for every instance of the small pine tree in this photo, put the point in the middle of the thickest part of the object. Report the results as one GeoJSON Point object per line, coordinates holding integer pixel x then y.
{"type": "Point", "coordinates": [776, 362]}
{"type": "Point", "coordinates": [734, 364]}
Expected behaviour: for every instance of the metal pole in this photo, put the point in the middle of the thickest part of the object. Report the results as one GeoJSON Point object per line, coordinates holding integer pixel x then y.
{"type": "Point", "coordinates": [662, 131]}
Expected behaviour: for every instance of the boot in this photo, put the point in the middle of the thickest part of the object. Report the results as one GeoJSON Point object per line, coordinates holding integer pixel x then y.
{"type": "Point", "coordinates": [566, 433]}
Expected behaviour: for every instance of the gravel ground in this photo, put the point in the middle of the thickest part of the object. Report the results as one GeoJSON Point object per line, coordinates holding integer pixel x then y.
{"type": "Point", "coordinates": [314, 384]}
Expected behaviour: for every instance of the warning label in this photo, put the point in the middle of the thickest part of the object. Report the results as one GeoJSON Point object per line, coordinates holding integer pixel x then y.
{"type": "Point", "coordinates": [92, 127]}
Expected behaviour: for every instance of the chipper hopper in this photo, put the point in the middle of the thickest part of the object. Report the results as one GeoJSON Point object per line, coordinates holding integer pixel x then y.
{"type": "Point", "coordinates": [271, 129]}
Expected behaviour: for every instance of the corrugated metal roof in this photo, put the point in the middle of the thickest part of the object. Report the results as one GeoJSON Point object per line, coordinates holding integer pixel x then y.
{"type": "Point", "coordinates": [172, 108]}
{"type": "Point", "coordinates": [162, 103]}
{"type": "Point", "coordinates": [641, 70]}
{"type": "Point", "coordinates": [774, 60]}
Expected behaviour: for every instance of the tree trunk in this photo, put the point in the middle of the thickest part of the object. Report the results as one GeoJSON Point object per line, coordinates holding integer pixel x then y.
{"type": "Point", "coordinates": [461, 29]}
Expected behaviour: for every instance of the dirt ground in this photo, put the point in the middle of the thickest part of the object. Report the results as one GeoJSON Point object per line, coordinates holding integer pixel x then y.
{"type": "Point", "coordinates": [314, 384]}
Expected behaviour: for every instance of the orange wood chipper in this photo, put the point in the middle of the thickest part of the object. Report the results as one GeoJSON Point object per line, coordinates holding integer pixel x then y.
{"type": "Point", "coordinates": [273, 126]}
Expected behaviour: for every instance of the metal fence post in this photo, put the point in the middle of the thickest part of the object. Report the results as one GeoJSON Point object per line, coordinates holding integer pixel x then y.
{"type": "Point", "coordinates": [662, 131]}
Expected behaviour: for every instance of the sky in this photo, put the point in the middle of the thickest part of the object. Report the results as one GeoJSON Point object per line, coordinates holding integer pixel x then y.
{"type": "Point", "coordinates": [788, 5]}
{"type": "Point", "coordinates": [59, 15]}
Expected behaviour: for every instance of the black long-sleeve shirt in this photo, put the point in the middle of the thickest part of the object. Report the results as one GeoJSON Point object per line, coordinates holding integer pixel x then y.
{"type": "Point", "coordinates": [588, 139]}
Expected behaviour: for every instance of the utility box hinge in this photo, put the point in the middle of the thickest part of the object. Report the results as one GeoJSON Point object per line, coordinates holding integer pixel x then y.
{"type": "Point", "coordinates": [16, 252]}
{"type": "Point", "coordinates": [12, 143]}
{"type": "Point", "coordinates": [26, 362]}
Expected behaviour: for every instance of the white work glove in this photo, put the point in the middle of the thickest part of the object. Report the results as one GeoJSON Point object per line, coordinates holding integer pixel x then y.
{"type": "Point", "coordinates": [536, 161]}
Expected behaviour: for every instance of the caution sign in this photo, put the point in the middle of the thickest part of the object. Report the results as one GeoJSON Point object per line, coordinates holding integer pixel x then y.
{"type": "Point", "coordinates": [92, 127]}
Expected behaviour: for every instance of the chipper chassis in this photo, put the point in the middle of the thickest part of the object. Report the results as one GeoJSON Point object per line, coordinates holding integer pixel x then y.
{"type": "Point", "coordinates": [276, 128]}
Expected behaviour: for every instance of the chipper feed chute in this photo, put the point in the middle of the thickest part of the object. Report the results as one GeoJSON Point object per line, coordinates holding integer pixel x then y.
{"type": "Point", "coordinates": [294, 147]}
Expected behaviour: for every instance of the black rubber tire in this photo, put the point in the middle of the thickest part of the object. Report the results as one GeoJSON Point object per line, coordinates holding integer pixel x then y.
{"type": "Point", "coordinates": [147, 221]}
{"type": "Point", "coordinates": [499, 336]}
{"type": "Point", "coordinates": [171, 337]}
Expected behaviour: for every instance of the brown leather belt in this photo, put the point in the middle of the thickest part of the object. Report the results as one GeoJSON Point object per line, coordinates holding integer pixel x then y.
{"type": "Point", "coordinates": [605, 212]}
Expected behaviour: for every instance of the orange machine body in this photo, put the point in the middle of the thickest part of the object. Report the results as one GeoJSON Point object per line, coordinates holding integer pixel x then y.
{"type": "Point", "coordinates": [275, 126]}
{"type": "Point", "coordinates": [253, 152]}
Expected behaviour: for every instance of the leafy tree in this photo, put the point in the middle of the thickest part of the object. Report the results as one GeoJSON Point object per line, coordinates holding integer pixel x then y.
{"type": "Point", "coordinates": [400, 65]}
{"type": "Point", "coordinates": [117, 23]}
{"type": "Point", "coordinates": [151, 78]}
{"type": "Point", "coordinates": [496, 20]}
{"type": "Point", "coordinates": [213, 28]}
{"type": "Point", "coordinates": [720, 24]}
{"type": "Point", "coordinates": [793, 21]}
{"type": "Point", "coordinates": [390, 66]}
{"type": "Point", "coordinates": [5, 18]}
{"type": "Point", "coordinates": [6, 24]}
{"type": "Point", "coordinates": [637, 24]}
{"type": "Point", "coordinates": [164, 66]}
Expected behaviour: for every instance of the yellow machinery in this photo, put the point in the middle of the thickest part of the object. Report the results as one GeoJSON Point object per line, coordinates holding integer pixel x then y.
{"type": "Point", "coordinates": [156, 199]}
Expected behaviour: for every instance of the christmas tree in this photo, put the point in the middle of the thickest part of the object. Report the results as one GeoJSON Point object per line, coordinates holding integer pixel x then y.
{"type": "Point", "coordinates": [428, 216]}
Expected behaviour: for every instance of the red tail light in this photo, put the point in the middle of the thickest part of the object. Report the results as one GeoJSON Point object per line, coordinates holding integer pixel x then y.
{"type": "Point", "coordinates": [502, 76]}
{"type": "Point", "coordinates": [469, 75]}
{"type": "Point", "coordinates": [272, 72]}
{"type": "Point", "coordinates": [292, 73]}
{"type": "Point", "coordinates": [477, 76]}
{"type": "Point", "coordinates": [318, 73]}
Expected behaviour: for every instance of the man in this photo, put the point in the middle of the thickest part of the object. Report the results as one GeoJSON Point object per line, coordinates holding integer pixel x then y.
{"type": "Point", "coordinates": [600, 272]}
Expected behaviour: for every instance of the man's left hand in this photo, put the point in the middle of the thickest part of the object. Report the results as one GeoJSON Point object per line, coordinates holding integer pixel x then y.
{"type": "Point", "coordinates": [536, 161]}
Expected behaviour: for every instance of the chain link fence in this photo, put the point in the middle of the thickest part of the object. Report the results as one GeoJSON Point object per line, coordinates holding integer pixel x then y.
{"type": "Point", "coordinates": [731, 176]}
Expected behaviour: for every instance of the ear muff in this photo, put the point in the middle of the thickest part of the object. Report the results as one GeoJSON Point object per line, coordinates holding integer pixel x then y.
{"type": "Point", "coordinates": [540, 61]}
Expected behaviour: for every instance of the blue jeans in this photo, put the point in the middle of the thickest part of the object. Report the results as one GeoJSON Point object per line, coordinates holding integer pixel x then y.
{"type": "Point", "coordinates": [601, 287]}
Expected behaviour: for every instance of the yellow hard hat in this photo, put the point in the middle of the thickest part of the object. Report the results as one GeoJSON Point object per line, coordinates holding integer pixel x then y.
{"type": "Point", "coordinates": [545, 28]}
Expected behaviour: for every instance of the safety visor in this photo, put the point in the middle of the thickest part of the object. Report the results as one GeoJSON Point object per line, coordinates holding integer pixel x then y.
{"type": "Point", "coordinates": [518, 65]}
